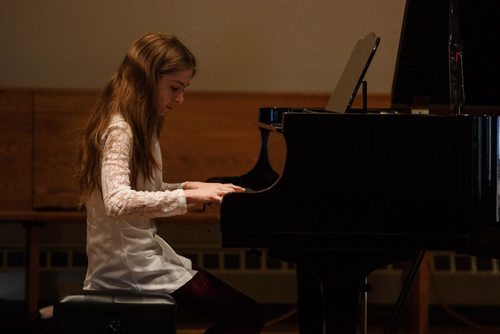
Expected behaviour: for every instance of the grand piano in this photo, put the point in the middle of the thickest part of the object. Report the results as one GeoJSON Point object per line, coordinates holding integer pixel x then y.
{"type": "Point", "coordinates": [365, 188]}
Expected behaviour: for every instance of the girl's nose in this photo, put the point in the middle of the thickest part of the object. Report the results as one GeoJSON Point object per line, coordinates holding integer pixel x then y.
{"type": "Point", "coordinates": [179, 98]}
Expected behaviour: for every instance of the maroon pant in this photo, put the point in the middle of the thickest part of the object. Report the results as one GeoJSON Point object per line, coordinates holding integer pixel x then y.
{"type": "Point", "coordinates": [232, 311]}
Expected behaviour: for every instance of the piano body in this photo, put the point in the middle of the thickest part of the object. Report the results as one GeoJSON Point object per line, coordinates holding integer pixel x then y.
{"type": "Point", "coordinates": [353, 180]}
{"type": "Point", "coordinates": [363, 189]}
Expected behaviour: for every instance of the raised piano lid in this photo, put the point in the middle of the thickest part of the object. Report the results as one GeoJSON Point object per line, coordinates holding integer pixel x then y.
{"type": "Point", "coordinates": [421, 77]}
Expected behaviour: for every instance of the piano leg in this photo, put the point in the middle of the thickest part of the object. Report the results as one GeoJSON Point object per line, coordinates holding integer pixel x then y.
{"type": "Point", "coordinates": [309, 301]}
{"type": "Point", "coordinates": [340, 306]}
{"type": "Point", "coordinates": [342, 275]}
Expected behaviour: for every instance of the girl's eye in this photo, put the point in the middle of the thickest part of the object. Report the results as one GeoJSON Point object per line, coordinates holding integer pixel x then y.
{"type": "Point", "coordinates": [176, 89]}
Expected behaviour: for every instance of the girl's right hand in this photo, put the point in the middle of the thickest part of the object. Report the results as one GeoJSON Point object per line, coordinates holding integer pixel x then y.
{"type": "Point", "coordinates": [206, 192]}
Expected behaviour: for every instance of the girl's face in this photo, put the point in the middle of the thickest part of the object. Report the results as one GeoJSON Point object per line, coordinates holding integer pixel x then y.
{"type": "Point", "coordinates": [170, 90]}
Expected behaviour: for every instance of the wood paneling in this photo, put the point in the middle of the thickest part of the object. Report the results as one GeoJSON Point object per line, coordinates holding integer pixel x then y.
{"type": "Point", "coordinates": [15, 149]}
{"type": "Point", "coordinates": [211, 134]}
{"type": "Point", "coordinates": [58, 119]}
{"type": "Point", "coordinates": [215, 134]}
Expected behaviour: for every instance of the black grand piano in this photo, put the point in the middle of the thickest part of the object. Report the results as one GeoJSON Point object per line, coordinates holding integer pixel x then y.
{"type": "Point", "coordinates": [364, 188]}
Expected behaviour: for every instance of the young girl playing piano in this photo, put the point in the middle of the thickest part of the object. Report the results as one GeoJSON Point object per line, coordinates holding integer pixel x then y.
{"type": "Point", "coordinates": [120, 174]}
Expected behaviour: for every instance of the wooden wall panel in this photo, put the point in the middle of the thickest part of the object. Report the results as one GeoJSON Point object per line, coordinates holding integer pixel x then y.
{"type": "Point", "coordinates": [15, 149]}
{"type": "Point", "coordinates": [211, 134]}
{"type": "Point", "coordinates": [215, 134]}
{"type": "Point", "coordinates": [58, 118]}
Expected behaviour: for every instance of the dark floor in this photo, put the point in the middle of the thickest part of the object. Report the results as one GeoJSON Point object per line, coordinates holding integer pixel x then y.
{"type": "Point", "coordinates": [460, 320]}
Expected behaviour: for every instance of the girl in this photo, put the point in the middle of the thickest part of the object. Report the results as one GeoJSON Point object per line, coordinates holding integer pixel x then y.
{"type": "Point", "coordinates": [120, 175]}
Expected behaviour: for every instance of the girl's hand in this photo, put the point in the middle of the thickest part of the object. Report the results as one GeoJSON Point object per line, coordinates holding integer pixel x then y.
{"type": "Point", "coordinates": [206, 192]}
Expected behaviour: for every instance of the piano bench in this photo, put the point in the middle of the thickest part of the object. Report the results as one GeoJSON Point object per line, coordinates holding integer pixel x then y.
{"type": "Point", "coordinates": [115, 311]}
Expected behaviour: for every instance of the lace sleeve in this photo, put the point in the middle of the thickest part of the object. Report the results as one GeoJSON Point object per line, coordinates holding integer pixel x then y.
{"type": "Point", "coordinates": [119, 198]}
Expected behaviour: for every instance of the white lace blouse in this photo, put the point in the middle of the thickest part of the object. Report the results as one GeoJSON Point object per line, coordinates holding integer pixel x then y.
{"type": "Point", "coordinates": [123, 249]}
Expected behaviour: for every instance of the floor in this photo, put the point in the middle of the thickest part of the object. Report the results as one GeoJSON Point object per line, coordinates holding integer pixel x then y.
{"type": "Point", "coordinates": [47, 328]}
{"type": "Point", "coordinates": [283, 321]}
{"type": "Point", "coordinates": [434, 329]}
{"type": "Point", "coordinates": [463, 320]}
{"type": "Point", "coordinates": [285, 330]}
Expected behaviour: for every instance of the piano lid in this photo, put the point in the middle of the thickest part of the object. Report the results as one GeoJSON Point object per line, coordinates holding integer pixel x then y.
{"type": "Point", "coordinates": [422, 74]}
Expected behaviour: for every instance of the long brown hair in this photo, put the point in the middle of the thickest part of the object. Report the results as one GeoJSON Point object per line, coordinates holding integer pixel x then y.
{"type": "Point", "coordinates": [131, 92]}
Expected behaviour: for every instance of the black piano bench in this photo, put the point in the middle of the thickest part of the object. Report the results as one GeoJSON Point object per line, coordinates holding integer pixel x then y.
{"type": "Point", "coordinates": [112, 311]}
